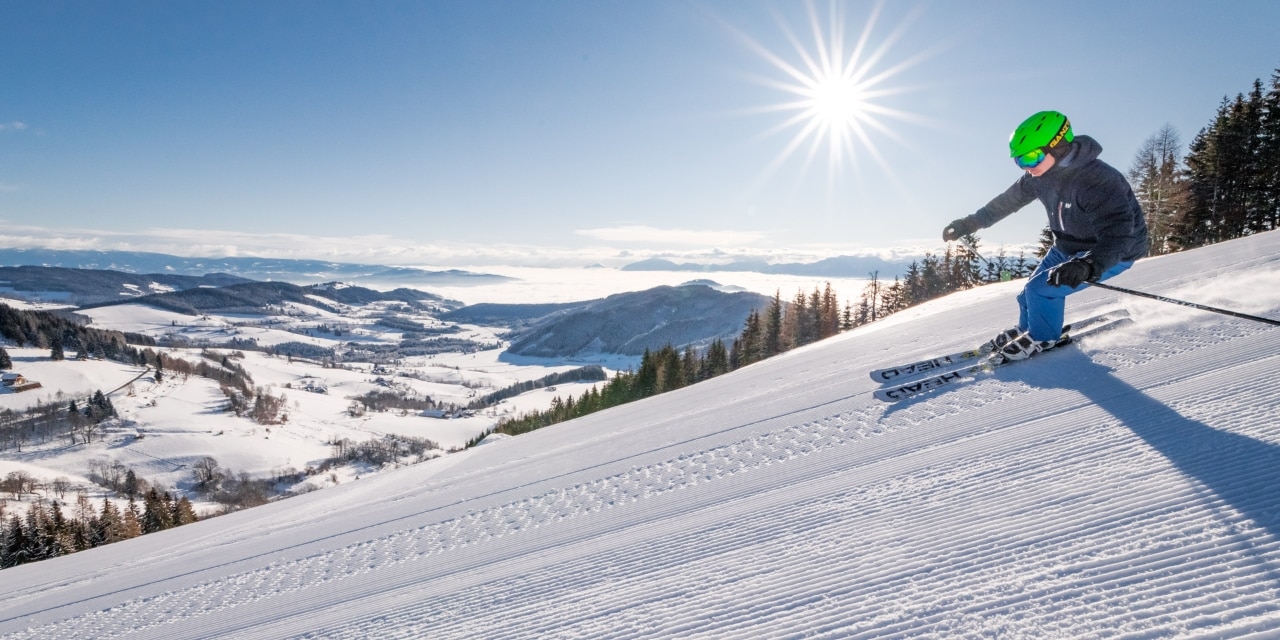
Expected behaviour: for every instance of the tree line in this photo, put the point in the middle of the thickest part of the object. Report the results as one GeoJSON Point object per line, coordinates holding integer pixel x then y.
{"type": "Point", "coordinates": [59, 331]}
{"type": "Point", "coordinates": [663, 370]}
{"type": "Point", "coordinates": [580, 374]}
{"type": "Point", "coordinates": [51, 532]}
{"type": "Point", "coordinates": [1226, 186]}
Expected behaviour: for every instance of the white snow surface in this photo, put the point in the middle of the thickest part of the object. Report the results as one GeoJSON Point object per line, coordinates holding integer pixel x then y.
{"type": "Point", "coordinates": [1125, 487]}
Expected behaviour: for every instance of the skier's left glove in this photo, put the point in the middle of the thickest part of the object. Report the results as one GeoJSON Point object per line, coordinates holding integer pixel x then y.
{"type": "Point", "coordinates": [958, 228]}
{"type": "Point", "coordinates": [1074, 272]}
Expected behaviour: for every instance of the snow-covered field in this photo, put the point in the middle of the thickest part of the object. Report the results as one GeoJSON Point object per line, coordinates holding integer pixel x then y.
{"type": "Point", "coordinates": [166, 426]}
{"type": "Point", "coordinates": [1125, 487]}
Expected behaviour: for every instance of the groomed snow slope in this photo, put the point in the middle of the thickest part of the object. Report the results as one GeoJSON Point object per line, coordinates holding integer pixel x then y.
{"type": "Point", "coordinates": [1125, 487]}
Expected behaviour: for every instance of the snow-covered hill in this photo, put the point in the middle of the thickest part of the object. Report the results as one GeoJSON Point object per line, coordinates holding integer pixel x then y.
{"type": "Point", "coordinates": [1124, 487]}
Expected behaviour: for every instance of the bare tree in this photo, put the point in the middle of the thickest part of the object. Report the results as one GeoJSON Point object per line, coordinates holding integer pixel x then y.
{"type": "Point", "coordinates": [1157, 182]}
{"type": "Point", "coordinates": [18, 483]}
{"type": "Point", "coordinates": [60, 485]}
{"type": "Point", "coordinates": [206, 473]}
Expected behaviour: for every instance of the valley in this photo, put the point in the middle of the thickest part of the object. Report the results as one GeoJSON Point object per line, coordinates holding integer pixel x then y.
{"type": "Point", "coordinates": [169, 422]}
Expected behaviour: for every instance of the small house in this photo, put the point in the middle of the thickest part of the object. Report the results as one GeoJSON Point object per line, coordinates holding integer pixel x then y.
{"type": "Point", "coordinates": [17, 383]}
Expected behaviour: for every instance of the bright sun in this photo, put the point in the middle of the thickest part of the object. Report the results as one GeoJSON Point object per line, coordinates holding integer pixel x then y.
{"type": "Point", "coordinates": [836, 101]}
{"type": "Point", "coordinates": [835, 90]}
{"type": "Point", "coordinates": [837, 110]}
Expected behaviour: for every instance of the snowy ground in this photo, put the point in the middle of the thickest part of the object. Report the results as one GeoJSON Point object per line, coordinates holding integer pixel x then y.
{"type": "Point", "coordinates": [165, 427]}
{"type": "Point", "coordinates": [1121, 488]}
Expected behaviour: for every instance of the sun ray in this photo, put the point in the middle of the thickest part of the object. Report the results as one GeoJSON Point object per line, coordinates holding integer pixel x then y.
{"type": "Point", "coordinates": [834, 87]}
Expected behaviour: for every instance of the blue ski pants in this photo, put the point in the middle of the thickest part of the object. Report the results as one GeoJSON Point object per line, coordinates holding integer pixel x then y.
{"type": "Point", "coordinates": [1043, 306]}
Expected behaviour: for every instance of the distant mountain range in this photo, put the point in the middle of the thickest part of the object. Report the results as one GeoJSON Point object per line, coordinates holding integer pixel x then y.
{"type": "Point", "coordinates": [838, 267]}
{"type": "Point", "coordinates": [250, 268]}
{"type": "Point", "coordinates": [252, 297]}
{"type": "Point", "coordinates": [213, 293]}
{"type": "Point", "coordinates": [625, 323]}
{"type": "Point", "coordinates": [92, 286]}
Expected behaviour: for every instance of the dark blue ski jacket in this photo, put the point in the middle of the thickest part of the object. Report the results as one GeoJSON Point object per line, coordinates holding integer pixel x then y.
{"type": "Point", "coordinates": [1091, 206]}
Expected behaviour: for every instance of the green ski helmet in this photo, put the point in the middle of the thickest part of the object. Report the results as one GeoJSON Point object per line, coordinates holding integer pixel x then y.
{"type": "Point", "coordinates": [1044, 129]}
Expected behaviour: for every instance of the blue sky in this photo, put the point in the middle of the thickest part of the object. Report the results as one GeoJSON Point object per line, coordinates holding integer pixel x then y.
{"type": "Point", "coordinates": [465, 132]}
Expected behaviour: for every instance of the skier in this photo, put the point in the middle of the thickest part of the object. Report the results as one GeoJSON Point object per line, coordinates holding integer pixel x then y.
{"type": "Point", "coordinates": [1097, 224]}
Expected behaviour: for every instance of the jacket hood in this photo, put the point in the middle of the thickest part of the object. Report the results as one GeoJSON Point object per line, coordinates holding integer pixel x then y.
{"type": "Point", "coordinates": [1083, 150]}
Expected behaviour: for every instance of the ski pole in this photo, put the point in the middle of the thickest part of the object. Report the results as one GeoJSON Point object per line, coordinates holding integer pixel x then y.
{"type": "Point", "coordinates": [1193, 305]}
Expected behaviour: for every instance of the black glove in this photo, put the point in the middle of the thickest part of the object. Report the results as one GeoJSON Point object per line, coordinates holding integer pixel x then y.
{"type": "Point", "coordinates": [961, 227]}
{"type": "Point", "coordinates": [1074, 272]}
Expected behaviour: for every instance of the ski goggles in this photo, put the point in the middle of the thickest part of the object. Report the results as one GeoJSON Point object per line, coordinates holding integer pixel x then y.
{"type": "Point", "coordinates": [1031, 159]}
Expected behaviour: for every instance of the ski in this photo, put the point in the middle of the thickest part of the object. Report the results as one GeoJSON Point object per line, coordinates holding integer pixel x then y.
{"type": "Point", "coordinates": [906, 390]}
{"type": "Point", "coordinates": [922, 367]}
{"type": "Point", "coordinates": [928, 366]}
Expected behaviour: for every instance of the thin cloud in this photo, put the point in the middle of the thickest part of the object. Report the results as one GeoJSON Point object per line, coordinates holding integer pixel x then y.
{"type": "Point", "coordinates": [367, 249]}
{"type": "Point", "coordinates": [652, 236]}
{"type": "Point", "coordinates": [617, 246]}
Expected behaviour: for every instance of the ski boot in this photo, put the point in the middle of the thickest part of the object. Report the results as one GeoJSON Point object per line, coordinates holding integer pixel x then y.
{"type": "Point", "coordinates": [1003, 338]}
{"type": "Point", "coordinates": [1023, 347]}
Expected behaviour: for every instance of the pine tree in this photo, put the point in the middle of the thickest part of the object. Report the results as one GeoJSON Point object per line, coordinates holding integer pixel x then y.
{"type": "Point", "coordinates": [1269, 156]}
{"type": "Point", "coordinates": [690, 370]}
{"type": "Point", "coordinates": [813, 317]}
{"type": "Point", "coordinates": [773, 327]}
{"type": "Point", "coordinates": [748, 346]}
{"type": "Point", "coordinates": [929, 283]}
{"type": "Point", "coordinates": [156, 514]}
{"type": "Point", "coordinates": [1256, 209]}
{"type": "Point", "coordinates": [183, 512]}
{"type": "Point", "coordinates": [829, 317]}
{"type": "Point", "coordinates": [100, 407]}
{"type": "Point", "coordinates": [966, 270]}
{"type": "Point", "coordinates": [37, 540]}
{"type": "Point", "coordinates": [5, 361]}
{"type": "Point", "coordinates": [57, 532]}
{"type": "Point", "coordinates": [1224, 175]}
{"type": "Point", "coordinates": [671, 371]}
{"type": "Point", "coordinates": [15, 544]}
{"type": "Point", "coordinates": [130, 487]}
{"type": "Point", "coordinates": [647, 376]}
{"type": "Point", "coordinates": [130, 521]}
{"type": "Point", "coordinates": [4, 543]}
{"type": "Point", "coordinates": [716, 360]}
{"type": "Point", "coordinates": [108, 527]}
{"type": "Point", "coordinates": [894, 298]}
{"type": "Point", "coordinates": [1046, 243]}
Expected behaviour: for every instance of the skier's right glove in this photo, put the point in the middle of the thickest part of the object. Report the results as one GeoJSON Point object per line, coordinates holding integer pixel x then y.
{"type": "Point", "coordinates": [1074, 272]}
{"type": "Point", "coordinates": [960, 227]}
